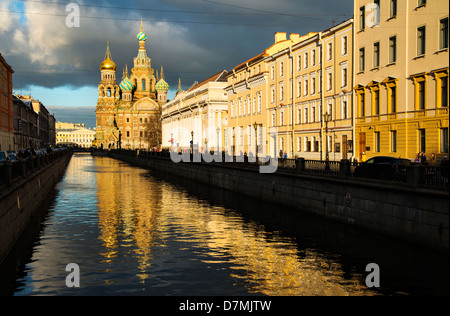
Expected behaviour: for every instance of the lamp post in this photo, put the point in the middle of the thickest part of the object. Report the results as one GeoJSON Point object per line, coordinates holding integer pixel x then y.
{"type": "Point", "coordinates": [326, 118]}
{"type": "Point", "coordinates": [192, 142]}
{"type": "Point", "coordinates": [218, 139]}
{"type": "Point", "coordinates": [255, 126]}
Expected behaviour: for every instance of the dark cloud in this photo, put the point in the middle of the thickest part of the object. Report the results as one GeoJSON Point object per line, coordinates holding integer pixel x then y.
{"type": "Point", "coordinates": [191, 39]}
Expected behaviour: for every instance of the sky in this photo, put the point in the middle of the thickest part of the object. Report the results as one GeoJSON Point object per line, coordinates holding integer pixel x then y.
{"type": "Point", "coordinates": [191, 39]}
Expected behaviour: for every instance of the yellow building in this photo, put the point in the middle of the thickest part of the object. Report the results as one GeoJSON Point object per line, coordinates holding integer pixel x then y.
{"type": "Point", "coordinates": [128, 115]}
{"type": "Point", "coordinates": [279, 97]}
{"type": "Point", "coordinates": [196, 114]}
{"type": "Point", "coordinates": [311, 97]}
{"type": "Point", "coordinates": [401, 78]}
{"type": "Point", "coordinates": [250, 94]}
{"type": "Point", "coordinates": [68, 134]}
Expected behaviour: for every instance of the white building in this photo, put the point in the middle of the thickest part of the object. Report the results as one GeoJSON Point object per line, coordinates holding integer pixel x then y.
{"type": "Point", "coordinates": [197, 114]}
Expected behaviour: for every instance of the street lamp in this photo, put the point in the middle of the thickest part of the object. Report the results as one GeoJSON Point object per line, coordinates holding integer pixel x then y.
{"type": "Point", "coordinates": [255, 126]}
{"type": "Point", "coordinates": [192, 142]}
{"type": "Point", "coordinates": [326, 118]}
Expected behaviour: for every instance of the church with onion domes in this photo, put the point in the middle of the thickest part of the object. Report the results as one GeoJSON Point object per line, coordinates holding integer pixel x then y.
{"type": "Point", "coordinates": [128, 114]}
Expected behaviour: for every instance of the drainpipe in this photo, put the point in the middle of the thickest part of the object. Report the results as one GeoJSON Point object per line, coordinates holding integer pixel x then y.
{"type": "Point", "coordinates": [322, 99]}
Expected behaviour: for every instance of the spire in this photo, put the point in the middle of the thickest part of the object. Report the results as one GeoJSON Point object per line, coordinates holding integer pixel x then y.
{"type": "Point", "coordinates": [142, 26]}
{"type": "Point", "coordinates": [162, 72]}
{"type": "Point", "coordinates": [179, 85]}
{"type": "Point", "coordinates": [157, 76]}
{"type": "Point", "coordinates": [126, 70]}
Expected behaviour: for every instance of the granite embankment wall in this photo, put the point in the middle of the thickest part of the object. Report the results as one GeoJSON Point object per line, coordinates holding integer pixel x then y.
{"type": "Point", "coordinates": [23, 188]}
{"type": "Point", "coordinates": [412, 213]}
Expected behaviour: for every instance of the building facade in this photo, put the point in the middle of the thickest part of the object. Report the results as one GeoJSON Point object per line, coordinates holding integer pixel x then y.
{"type": "Point", "coordinates": [401, 78]}
{"type": "Point", "coordinates": [128, 115]}
{"type": "Point", "coordinates": [25, 125]}
{"type": "Point", "coordinates": [75, 136]}
{"type": "Point", "coordinates": [6, 107]}
{"type": "Point", "coordinates": [251, 95]}
{"type": "Point", "coordinates": [196, 115]}
{"type": "Point", "coordinates": [311, 96]}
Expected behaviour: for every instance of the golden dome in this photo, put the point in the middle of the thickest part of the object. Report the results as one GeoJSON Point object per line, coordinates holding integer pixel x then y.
{"type": "Point", "coordinates": [108, 64]}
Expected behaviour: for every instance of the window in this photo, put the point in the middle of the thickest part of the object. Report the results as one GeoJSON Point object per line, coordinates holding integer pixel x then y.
{"type": "Point", "coordinates": [361, 60]}
{"type": "Point", "coordinates": [393, 98]}
{"type": "Point", "coordinates": [299, 88]}
{"type": "Point", "coordinates": [272, 94]}
{"type": "Point", "coordinates": [299, 62]}
{"type": "Point", "coordinates": [281, 118]}
{"type": "Point", "coordinates": [281, 69]}
{"type": "Point", "coordinates": [306, 60]}
{"type": "Point", "coordinates": [344, 45]}
{"type": "Point", "coordinates": [444, 140]}
{"type": "Point", "coordinates": [330, 51]}
{"type": "Point", "coordinates": [421, 41]}
{"type": "Point", "coordinates": [443, 34]}
{"type": "Point", "coordinates": [377, 142]}
{"type": "Point", "coordinates": [330, 80]}
{"type": "Point", "coordinates": [299, 116]}
{"type": "Point", "coordinates": [392, 49]}
{"type": "Point", "coordinates": [444, 91]}
{"type": "Point", "coordinates": [393, 8]}
{"type": "Point", "coordinates": [376, 102]}
{"type": "Point", "coordinates": [313, 58]}
{"type": "Point", "coordinates": [272, 72]}
{"type": "Point", "coordinates": [344, 109]}
{"type": "Point", "coordinates": [143, 84]}
{"type": "Point", "coordinates": [376, 55]}
{"type": "Point", "coordinates": [362, 102]}
{"type": "Point", "coordinates": [422, 2]}
{"type": "Point", "coordinates": [313, 85]}
{"type": "Point", "coordinates": [421, 95]}
{"type": "Point", "coordinates": [306, 87]}
{"type": "Point", "coordinates": [281, 91]}
{"type": "Point", "coordinates": [306, 116]}
{"type": "Point", "coordinates": [420, 91]}
{"type": "Point", "coordinates": [259, 103]}
{"type": "Point", "coordinates": [344, 77]}
{"type": "Point", "coordinates": [362, 18]}
{"type": "Point", "coordinates": [394, 141]}
{"type": "Point", "coordinates": [422, 141]}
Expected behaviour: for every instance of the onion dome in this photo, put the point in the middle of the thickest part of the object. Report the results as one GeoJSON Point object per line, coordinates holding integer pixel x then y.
{"type": "Point", "coordinates": [162, 86]}
{"type": "Point", "coordinates": [126, 85]}
{"type": "Point", "coordinates": [108, 64]}
{"type": "Point", "coordinates": [142, 36]}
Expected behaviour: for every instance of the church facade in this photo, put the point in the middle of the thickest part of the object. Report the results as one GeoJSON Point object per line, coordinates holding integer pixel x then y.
{"type": "Point", "coordinates": [128, 114]}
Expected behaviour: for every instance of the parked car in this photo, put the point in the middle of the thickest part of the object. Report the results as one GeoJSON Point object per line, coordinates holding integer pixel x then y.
{"type": "Point", "coordinates": [12, 155]}
{"type": "Point", "coordinates": [383, 167]}
{"type": "Point", "coordinates": [4, 156]}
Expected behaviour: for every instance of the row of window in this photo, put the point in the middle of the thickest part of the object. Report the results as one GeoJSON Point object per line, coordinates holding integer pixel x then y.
{"type": "Point", "coordinates": [421, 46]}
{"type": "Point", "coordinates": [246, 107]}
{"type": "Point", "coordinates": [308, 59]}
{"type": "Point", "coordinates": [421, 141]}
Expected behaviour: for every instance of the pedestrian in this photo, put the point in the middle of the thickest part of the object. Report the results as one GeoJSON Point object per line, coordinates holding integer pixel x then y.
{"type": "Point", "coordinates": [433, 161]}
{"type": "Point", "coordinates": [423, 159]}
{"type": "Point", "coordinates": [418, 157]}
{"type": "Point", "coordinates": [285, 155]}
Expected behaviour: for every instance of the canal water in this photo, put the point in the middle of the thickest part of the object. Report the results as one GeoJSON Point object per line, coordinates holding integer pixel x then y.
{"type": "Point", "coordinates": [134, 233]}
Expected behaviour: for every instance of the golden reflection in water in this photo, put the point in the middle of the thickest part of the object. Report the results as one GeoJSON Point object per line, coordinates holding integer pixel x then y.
{"type": "Point", "coordinates": [264, 262]}
{"type": "Point", "coordinates": [126, 208]}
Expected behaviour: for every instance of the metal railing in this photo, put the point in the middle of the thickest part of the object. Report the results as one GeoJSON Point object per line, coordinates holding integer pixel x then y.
{"type": "Point", "coordinates": [11, 171]}
{"type": "Point", "coordinates": [410, 175]}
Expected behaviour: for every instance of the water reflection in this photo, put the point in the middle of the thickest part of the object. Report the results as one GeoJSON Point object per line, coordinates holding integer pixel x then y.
{"type": "Point", "coordinates": [136, 234]}
{"type": "Point", "coordinates": [136, 210]}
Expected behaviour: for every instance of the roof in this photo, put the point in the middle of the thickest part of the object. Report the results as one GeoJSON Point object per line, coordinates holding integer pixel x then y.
{"type": "Point", "coordinates": [218, 77]}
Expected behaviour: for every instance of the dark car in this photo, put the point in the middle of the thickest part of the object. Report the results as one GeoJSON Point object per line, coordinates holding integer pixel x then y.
{"type": "Point", "coordinates": [383, 167]}
{"type": "Point", "coordinates": [4, 156]}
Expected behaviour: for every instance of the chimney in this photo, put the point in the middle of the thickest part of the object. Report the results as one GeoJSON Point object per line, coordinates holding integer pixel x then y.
{"type": "Point", "coordinates": [294, 37]}
{"type": "Point", "coordinates": [280, 36]}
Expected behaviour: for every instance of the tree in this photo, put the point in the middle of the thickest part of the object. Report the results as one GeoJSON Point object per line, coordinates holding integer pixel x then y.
{"type": "Point", "coordinates": [153, 129]}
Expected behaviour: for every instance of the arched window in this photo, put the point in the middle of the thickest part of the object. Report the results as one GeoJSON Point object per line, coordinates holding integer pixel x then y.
{"type": "Point", "coordinates": [143, 84]}
{"type": "Point", "coordinates": [109, 92]}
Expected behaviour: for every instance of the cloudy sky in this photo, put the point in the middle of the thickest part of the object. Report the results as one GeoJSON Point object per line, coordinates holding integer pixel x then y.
{"type": "Point", "coordinates": [192, 39]}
